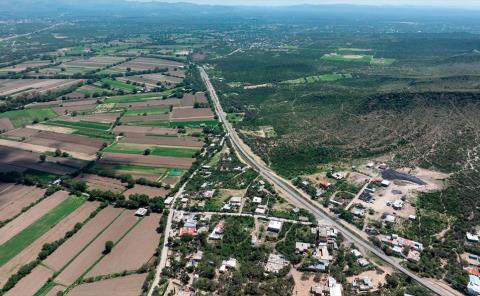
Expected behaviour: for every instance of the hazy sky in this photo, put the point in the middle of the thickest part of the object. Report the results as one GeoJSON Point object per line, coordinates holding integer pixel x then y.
{"type": "Point", "coordinates": [449, 3]}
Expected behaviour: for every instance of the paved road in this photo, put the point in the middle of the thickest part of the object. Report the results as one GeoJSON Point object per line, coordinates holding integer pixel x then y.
{"type": "Point", "coordinates": [168, 227]}
{"type": "Point", "coordinates": [299, 198]}
{"type": "Point", "coordinates": [28, 34]}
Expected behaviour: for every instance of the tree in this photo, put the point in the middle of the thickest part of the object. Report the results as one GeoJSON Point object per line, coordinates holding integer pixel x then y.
{"type": "Point", "coordinates": [43, 157]}
{"type": "Point", "coordinates": [58, 152]}
{"type": "Point", "coordinates": [147, 151]}
{"type": "Point", "coordinates": [108, 247]}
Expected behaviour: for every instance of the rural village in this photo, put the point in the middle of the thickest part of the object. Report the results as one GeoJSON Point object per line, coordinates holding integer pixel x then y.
{"type": "Point", "coordinates": [120, 174]}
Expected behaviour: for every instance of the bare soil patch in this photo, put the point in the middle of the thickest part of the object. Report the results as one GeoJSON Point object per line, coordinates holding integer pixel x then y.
{"type": "Point", "coordinates": [192, 113]}
{"type": "Point", "coordinates": [148, 190]}
{"type": "Point", "coordinates": [20, 133]}
{"type": "Point", "coordinates": [132, 251]}
{"type": "Point", "coordinates": [102, 183]}
{"type": "Point", "coordinates": [122, 286]}
{"type": "Point", "coordinates": [151, 103]}
{"type": "Point", "coordinates": [30, 284]}
{"type": "Point", "coordinates": [128, 130]}
{"type": "Point", "coordinates": [51, 128]}
{"type": "Point", "coordinates": [74, 245]}
{"type": "Point", "coordinates": [14, 198]}
{"type": "Point", "coordinates": [88, 257]}
{"type": "Point", "coordinates": [5, 125]}
{"type": "Point", "coordinates": [147, 160]}
{"type": "Point", "coordinates": [18, 159]}
{"type": "Point", "coordinates": [156, 117]}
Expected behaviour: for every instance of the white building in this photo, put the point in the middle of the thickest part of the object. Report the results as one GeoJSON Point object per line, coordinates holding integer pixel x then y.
{"type": "Point", "coordinates": [275, 226]}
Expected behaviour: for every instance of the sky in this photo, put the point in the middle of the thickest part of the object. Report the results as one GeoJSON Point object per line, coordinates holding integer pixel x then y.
{"type": "Point", "coordinates": [436, 3]}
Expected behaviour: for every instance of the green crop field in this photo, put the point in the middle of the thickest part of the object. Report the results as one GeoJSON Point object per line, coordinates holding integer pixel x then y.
{"type": "Point", "coordinates": [120, 85]}
{"type": "Point", "coordinates": [23, 117]}
{"type": "Point", "coordinates": [81, 124]}
{"type": "Point", "coordinates": [148, 110]}
{"type": "Point", "coordinates": [139, 168]}
{"type": "Point", "coordinates": [140, 97]}
{"type": "Point", "coordinates": [154, 150]}
{"type": "Point", "coordinates": [35, 230]}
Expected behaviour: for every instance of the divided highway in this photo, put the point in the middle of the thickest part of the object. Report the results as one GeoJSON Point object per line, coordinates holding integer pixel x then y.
{"type": "Point", "coordinates": [299, 198]}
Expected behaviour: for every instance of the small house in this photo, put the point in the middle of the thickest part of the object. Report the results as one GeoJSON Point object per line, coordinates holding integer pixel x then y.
{"type": "Point", "coordinates": [141, 212]}
{"type": "Point", "coordinates": [275, 226]}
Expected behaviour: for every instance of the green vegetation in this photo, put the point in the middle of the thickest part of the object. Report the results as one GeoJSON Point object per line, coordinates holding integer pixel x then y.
{"type": "Point", "coordinates": [235, 117]}
{"type": "Point", "coordinates": [120, 85]}
{"type": "Point", "coordinates": [140, 97]}
{"type": "Point", "coordinates": [154, 150]}
{"type": "Point", "coordinates": [24, 117]}
{"type": "Point", "coordinates": [148, 110]}
{"type": "Point", "coordinates": [27, 236]}
{"type": "Point", "coordinates": [81, 124]}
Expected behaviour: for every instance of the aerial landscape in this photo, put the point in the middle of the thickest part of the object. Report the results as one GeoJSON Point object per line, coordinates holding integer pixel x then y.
{"type": "Point", "coordinates": [307, 149]}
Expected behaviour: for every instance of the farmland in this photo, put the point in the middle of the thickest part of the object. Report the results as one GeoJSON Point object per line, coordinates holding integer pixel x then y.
{"type": "Point", "coordinates": [159, 151]}
{"type": "Point", "coordinates": [23, 239]}
{"type": "Point", "coordinates": [21, 118]}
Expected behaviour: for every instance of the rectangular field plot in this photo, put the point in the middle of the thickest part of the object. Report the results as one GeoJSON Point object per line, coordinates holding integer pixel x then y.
{"type": "Point", "coordinates": [145, 160]}
{"type": "Point", "coordinates": [13, 198]}
{"type": "Point", "coordinates": [120, 85]}
{"type": "Point", "coordinates": [27, 236]}
{"type": "Point", "coordinates": [55, 233]}
{"type": "Point", "coordinates": [130, 285]}
{"type": "Point", "coordinates": [154, 150]}
{"type": "Point", "coordinates": [132, 251]}
{"type": "Point", "coordinates": [87, 258]}
{"type": "Point", "coordinates": [15, 87]}
{"type": "Point", "coordinates": [24, 117]}
{"type": "Point", "coordinates": [148, 110]}
{"type": "Point", "coordinates": [139, 98]}
{"type": "Point", "coordinates": [73, 246]}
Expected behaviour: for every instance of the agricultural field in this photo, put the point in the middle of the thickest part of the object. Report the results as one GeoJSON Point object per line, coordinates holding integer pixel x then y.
{"type": "Point", "coordinates": [25, 66]}
{"type": "Point", "coordinates": [27, 87]}
{"type": "Point", "coordinates": [78, 65]}
{"type": "Point", "coordinates": [21, 118]}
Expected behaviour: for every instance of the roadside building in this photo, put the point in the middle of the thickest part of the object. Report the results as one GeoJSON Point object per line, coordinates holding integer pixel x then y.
{"type": "Point", "coordinates": [236, 201]}
{"type": "Point", "coordinates": [274, 226]}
